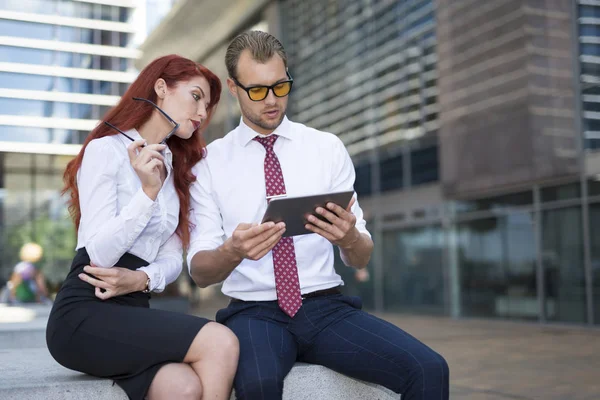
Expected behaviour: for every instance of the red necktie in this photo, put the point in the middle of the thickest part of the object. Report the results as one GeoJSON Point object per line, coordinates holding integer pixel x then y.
{"type": "Point", "coordinates": [287, 285]}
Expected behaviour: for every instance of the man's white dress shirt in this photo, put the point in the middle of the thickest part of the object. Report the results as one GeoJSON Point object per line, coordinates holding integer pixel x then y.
{"type": "Point", "coordinates": [230, 189]}
{"type": "Point", "coordinates": [118, 217]}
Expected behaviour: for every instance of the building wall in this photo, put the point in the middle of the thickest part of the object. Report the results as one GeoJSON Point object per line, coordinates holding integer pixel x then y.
{"type": "Point", "coordinates": [507, 117]}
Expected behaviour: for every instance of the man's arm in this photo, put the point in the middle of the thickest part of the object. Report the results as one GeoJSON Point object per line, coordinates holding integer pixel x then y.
{"type": "Point", "coordinates": [355, 247]}
{"type": "Point", "coordinates": [249, 241]}
{"type": "Point", "coordinates": [359, 252]}
{"type": "Point", "coordinates": [213, 266]}
{"type": "Point", "coordinates": [347, 227]}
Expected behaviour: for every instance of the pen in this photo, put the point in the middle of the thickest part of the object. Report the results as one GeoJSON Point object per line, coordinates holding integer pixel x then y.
{"type": "Point", "coordinates": [121, 132]}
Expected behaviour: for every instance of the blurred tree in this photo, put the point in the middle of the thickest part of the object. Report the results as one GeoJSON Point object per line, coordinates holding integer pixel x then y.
{"type": "Point", "coordinates": [56, 236]}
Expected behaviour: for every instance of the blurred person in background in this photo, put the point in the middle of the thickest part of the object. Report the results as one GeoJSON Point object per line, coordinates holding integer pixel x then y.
{"type": "Point", "coordinates": [129, 193]}
{"type": "Point", "coordinates": [286, 303]}
{"type": "Point", "coordinates": [27, 284]}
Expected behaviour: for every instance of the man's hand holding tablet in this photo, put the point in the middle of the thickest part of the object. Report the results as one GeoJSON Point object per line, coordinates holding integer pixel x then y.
{"type": "Point", "coordinates": [325, 214]}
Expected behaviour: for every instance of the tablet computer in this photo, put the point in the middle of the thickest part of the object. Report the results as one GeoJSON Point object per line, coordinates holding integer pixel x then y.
{"type": "Point", "coordinates": [294, 210]}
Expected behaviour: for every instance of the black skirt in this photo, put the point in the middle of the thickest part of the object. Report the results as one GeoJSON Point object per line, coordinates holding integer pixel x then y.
{"type": "Point", "coordinates": [120, 338]}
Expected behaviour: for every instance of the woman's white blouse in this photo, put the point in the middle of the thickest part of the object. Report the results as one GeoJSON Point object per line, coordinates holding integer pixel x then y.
{"type": "Point", "coordinates": [117, 217]}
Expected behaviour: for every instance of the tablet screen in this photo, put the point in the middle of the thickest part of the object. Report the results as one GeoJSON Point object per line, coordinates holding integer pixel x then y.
{"type": "Point", "coordinates": [294, 210]}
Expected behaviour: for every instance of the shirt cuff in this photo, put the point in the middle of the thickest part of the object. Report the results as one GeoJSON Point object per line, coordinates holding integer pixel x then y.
{"type": "Point", "coordinates": [156, 283]}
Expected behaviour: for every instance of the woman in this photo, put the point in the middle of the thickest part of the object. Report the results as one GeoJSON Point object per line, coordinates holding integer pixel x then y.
{"type": "Point", "coordinates": [129, 197]}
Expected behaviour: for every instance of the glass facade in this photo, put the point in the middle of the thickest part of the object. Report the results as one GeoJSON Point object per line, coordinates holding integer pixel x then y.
{"type": "Point", "coordinates": [589, 64]}
{"type": "Point", "coordinates": [414, 270]}
{"type": "Point", "coordinates": [31, 209]}
{"type": "Point", "coordinates": [45, 54]}
{"type": "Point", "coordinates": [508, 257]}
{"type": "Point", "coordinates": [58, 77]}
{"type": "Point", "coordinates": [370, 78]}
{"type": "Point", "coordinates": [67, 8]}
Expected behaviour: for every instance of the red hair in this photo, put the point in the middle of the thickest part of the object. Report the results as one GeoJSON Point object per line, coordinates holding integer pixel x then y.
{"type": "Point", "coordinates": [129, 114]}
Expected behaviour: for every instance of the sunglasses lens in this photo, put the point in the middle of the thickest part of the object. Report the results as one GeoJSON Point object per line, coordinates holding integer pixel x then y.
{"type": "Point", "coordinates": [283, 89]}
{"type": "Point", "coordinates": [258, 93]}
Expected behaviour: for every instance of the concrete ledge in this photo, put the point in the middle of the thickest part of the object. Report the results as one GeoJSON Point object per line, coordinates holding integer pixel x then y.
{"type": "Point", "coordinates": [32, 374]}
{"type": "Point", "coordinates": [315, 382]}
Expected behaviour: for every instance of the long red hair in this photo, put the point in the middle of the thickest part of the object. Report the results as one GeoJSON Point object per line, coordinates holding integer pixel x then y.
{"type": "Point", "coordinates": [129, 114]}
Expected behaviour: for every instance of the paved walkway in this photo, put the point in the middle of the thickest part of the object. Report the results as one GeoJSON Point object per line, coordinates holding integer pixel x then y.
{"type": "Point", "coordinates": [499, 360]}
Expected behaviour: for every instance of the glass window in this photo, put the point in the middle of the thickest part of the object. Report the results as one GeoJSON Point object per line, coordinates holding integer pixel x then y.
{"type": "Point", "coordinates": [29, 30]}
{"type": "Point", "coordinates": [31, 6]}
{"type": "Point", "coordinates": [11, 80]}
{"type": "Point", "coordinates": [26, 56]}
{"type": "Point", "coordinates": [391, 173]}
{"type": "Point", "coordinates": [588, 68]}
{"type": "Point", "coordinates": [64, 8]}
{"type": "Point", "coordinates": [563, 192]}
{"type": "Point", "coordinates": [496, 203]}
{"type": "Point", "coordinates": [31, 209]}
{"type": "Point", "coordinates": [362, 183]}
{"type": "Point", "coordinates": [497, 267]}
{"type": "Point", "coordinates": [413, 265]}
{"type": "Point", "coordinates": [562, 257]}
{"type": "Point", "coordinates": [26, 134]}
{"type": "Point", "coordinates": [591, 124]}
{"type": "Point", "coordinates": [589, 30]}
{"type": "Point", "coordinates": [40, 108]}
{"type": "Point", "coordinates": [594, 187]}
{"type": "Point", "coordinates": [424, 165]}
{"type": "Point", "coordinates": [58, 58]}
{"type": "Point", "coordinates": [595, 256]}
{"type": "Point", "coordinates": [75, 35]}
{"type": "Point", "coordinates": [590, 49]}
{"type": "Point", "coordinates": [23, 107]}
{"type": "Point", "coordinates": [39, 135]}
{"type": "Point", "coordinates": [39, 82]}
{"type": "Point", "coordinates": [591, 106]}
{"type": "Point", "coordinates": [586, 11]}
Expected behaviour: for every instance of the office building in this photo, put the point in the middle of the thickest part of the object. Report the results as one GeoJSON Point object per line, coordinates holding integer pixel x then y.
{"type": "Point", "coordinates": [471, 126]}
{"type": "Point", "coordinates": [63, 64]}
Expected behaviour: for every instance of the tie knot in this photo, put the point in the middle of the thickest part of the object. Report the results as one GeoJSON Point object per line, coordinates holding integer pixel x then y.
{"type": "Point", "coordinates": [267, 141]}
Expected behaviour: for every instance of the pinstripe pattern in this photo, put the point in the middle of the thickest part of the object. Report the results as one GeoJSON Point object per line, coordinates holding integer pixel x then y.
{"type": "Point", "coordinates": [334, 332]}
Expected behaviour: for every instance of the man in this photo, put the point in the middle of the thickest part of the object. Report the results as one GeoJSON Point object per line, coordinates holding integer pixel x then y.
{"type": "Point", "coordinates": [286, 305]}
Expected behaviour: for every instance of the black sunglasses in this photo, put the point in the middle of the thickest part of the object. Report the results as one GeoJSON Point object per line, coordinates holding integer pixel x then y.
{"type": "Point", "coordinates": [260, 92]}
{"type": "Point", "coordinates": [164, 141]}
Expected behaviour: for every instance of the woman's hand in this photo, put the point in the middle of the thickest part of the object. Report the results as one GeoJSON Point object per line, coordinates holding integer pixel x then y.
{"type": "Point", "coordinates": [147, 163]}
{"type": "Point", "coordinates": [115, 281]}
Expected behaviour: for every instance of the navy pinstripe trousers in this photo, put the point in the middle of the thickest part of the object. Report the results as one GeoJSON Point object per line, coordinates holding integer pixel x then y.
{"type": "Point", "coordinates": [334, 332]}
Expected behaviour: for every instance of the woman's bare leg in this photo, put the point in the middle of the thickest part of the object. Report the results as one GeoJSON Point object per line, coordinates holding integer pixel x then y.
{"type": "Point", "coordinates": [214, 356]}
{"type": "Point", "coordinates": [175, 381]}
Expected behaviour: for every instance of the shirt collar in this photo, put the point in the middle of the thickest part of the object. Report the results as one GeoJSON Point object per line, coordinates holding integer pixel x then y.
{"type": "Point", "coordinates": [135, 135]}
{"type": "Point", "coordinates": [245, 134]}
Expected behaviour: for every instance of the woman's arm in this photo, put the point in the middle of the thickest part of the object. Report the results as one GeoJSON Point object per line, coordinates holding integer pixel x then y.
{"type": "Point", "coordinates": [107, 231]}
{"type": "Point", "coordinates": [167, 266]}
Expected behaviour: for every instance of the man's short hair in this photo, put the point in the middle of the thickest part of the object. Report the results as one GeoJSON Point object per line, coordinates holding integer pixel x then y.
{"type": "Point", "coordinates": [262, 46]}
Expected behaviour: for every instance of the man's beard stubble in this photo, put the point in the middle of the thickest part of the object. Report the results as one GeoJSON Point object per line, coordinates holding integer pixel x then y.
{"type": "Point", "coordinates": [258, 121]}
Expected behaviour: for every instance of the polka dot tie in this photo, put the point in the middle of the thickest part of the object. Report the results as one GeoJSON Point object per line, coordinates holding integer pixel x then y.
{"type": "Point", "coordinates": [287, 285]}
